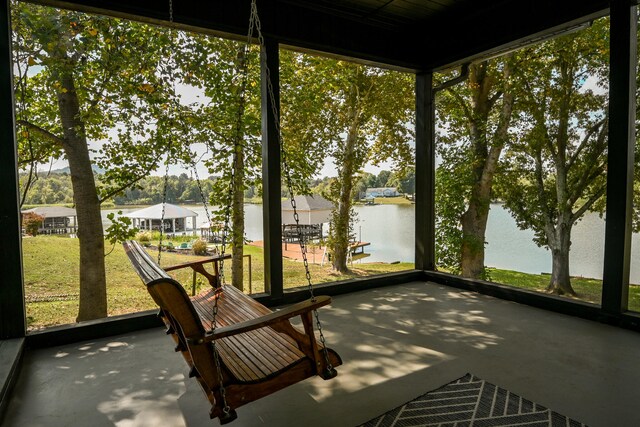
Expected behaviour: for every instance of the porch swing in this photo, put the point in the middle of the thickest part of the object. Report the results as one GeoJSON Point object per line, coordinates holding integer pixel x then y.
{"type": "Point", "coordinates": [237, 349]}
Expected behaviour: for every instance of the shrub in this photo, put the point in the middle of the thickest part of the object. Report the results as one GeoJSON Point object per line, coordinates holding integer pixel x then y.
{"type": "Point", "coordinates": [31, 222]}
{"type": "Point", "coordinates": [199, 247]}
{"type": "Point", "coordinates": [144, 237]}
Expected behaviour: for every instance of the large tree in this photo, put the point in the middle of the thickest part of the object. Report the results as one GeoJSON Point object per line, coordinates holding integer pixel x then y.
{"type": "Point", "coordinates": [351, 113]}
{"type": "Point", "coordinates": [476, 117]}
{"type": "Point", "coordinates": [556, 172]}
{"type": "Point", "coordinates": [228, 117]}
{"type": "Point", "coordinates": [85, 82]}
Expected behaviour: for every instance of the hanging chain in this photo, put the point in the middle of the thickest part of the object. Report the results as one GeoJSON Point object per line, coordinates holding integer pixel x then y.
{"type": "Point", "coordinates": [164, 204]}
{"type": "Point", "coordinates": [168, 161]}
{"type": "Point", "coordinates": [243, 71]}
{"type": "Point", "coordinates": [226, 409]}
{"type": "Point", "coordinates": [285, 167]}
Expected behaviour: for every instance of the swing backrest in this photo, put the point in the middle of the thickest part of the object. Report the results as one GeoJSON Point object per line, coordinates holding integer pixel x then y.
{"type": "Point", "coordinates": [176, 308]}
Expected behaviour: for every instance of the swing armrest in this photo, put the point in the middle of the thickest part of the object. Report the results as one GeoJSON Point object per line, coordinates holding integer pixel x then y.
{"type": "Point", "coordinates": [263, 321]}
{"type": "Point", "coordinates": [199, 262]}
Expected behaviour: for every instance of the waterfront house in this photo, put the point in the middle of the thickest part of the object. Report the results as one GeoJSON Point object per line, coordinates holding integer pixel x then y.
{"type": "Point", "coordinates": [381, 192]}
{"type": "Point", "coordinates": [56, 219]}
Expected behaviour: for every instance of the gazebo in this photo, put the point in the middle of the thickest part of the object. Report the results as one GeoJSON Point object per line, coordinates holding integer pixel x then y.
{"type": "Point", "coordinates": [57, 219]}
{"type": "Point", "coordinates": [313, 212]}
{"type": "Point", "coordinates": [175, 218]}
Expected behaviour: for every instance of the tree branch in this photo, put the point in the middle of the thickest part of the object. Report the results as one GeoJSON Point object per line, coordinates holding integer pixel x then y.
{"type": "Point", "coordinates": [593, 129]}
{"type": "Point", "coordinates": [27, 184]}
{"type": "Point", "coordinates": [494, 99]}
{"type": "Point", "coordinates": [593, 166]}
{"type": "Point", "coordinates": [128, 184]}
{"type": "Point", "coordinates": [462, 103]}
{"type": "Point", "coordinates": [594, 198]}
{"type": "Point", "coordinates": [42, 132]}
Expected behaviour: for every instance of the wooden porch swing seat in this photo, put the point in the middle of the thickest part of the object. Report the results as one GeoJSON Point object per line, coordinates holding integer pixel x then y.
{"type": "Point", "coordinates": [260, 351]}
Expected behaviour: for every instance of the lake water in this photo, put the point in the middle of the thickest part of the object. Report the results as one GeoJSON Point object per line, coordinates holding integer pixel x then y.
{"type": "Point", "coordinates": [390, 230]}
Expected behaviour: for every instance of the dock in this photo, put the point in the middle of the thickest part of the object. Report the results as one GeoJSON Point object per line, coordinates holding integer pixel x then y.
{"type": "Point", "coordinates": [292, 251]}
{"type": "Point", "coordinates": [317, 254]}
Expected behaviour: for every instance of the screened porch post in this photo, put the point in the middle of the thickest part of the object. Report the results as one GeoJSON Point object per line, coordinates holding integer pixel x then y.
{"type": "Point", "coordinates": [12, 310]}
{"type": "Point", "coordinates": [271, 171]}
{"type": "Point", "coordinates": [622, 116]}
{"type": "Point", "coordinates": [425, 174]}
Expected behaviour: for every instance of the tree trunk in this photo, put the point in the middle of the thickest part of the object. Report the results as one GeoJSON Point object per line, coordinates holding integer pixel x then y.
{"type": "Point", "coordinates": [342, 216]}
{"type": "Point", "coordinates": [485, 161]}
{"type": "Point", "coordinates": [93, 284]}
{"type": "Point", "coordinates": [474, 225]}
{"type": "Point", "coordinates": [237, 220]}
{"type": "Point", "coordinates": [560, 282]}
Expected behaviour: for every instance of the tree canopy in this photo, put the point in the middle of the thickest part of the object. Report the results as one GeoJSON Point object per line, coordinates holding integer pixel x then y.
{"type": "Point", "coordinates": [353, 114]}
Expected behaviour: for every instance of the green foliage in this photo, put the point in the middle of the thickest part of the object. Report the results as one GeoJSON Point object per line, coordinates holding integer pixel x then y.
{"type": "Point", "coordinates": [147, 191]}
{"type": "Point", "coordinates": [229, 119]}
{"type": "Point", "coordinates": [180, 189]}
{"type": "Point", "coordinates": [404, 182]}
{"type": "Point", "coordinates": [120, 74]}
{"type": "Point", "coordinates": [352, 113]}
{"type": "Point", "coordinates": [120, 229]}
{"type": "Point", "coordinates": [556, 171]}
{"type": "Point", "coordinates": [31, 222]}
{"type": "Point", "coordinates": [49, 190]}
{"type": "Point", "coordinates": [449, 208]}
{"type": "Point", "coordinates": [475, 117]}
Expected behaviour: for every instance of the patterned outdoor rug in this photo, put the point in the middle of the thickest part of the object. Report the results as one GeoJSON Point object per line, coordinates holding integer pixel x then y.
{"type": "Point", "coordinates": [470, 401]}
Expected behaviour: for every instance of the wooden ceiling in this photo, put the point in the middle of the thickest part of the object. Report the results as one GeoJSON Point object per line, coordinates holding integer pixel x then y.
{"type": "Point", "coordinates": [411, 34]}
{"type": "Point", "coordinates": [390, 14]}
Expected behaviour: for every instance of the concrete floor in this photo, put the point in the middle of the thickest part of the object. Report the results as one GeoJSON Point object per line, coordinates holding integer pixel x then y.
{"type": "Point", "coordinates": [396, 342]}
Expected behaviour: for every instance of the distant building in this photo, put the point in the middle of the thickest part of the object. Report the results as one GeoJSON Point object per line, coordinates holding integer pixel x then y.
{"type": "Point", "coordinates": [381, 192]}
{"type": "Point", "coordinates": [57, 219]}
{"type": "Point", "coordinates": [313, 211]}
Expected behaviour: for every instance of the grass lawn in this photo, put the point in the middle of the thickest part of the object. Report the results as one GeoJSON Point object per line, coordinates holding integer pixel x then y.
{"type": "Point", "coordinates": [51, 279]}
{"type": "Point", "coordinates": [589, 290]}
{"type": "Point", "coordinates": [400, 200]}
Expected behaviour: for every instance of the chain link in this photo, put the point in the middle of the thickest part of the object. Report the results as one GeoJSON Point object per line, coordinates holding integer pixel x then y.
{"type": "Point", "coordinates": [226, 409]}
{"type": "Point", "coordinates": [289, 180]}
{"type": "Point", "coordinates": [164, 203]}
{"type": "Point", "coordinates": [168, 161]}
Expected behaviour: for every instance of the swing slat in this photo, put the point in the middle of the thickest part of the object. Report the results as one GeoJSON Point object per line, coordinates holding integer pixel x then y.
{"type": "Point", "coordinates": [260, 351]}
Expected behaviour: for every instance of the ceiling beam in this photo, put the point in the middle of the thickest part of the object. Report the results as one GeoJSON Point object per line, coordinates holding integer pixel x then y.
{"type": "Point", "coordinates": [501, 25]}
{"type": "Point", "coordinates": [467, 30]}
{"type": "Point", "coordinates": [287, 22]}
